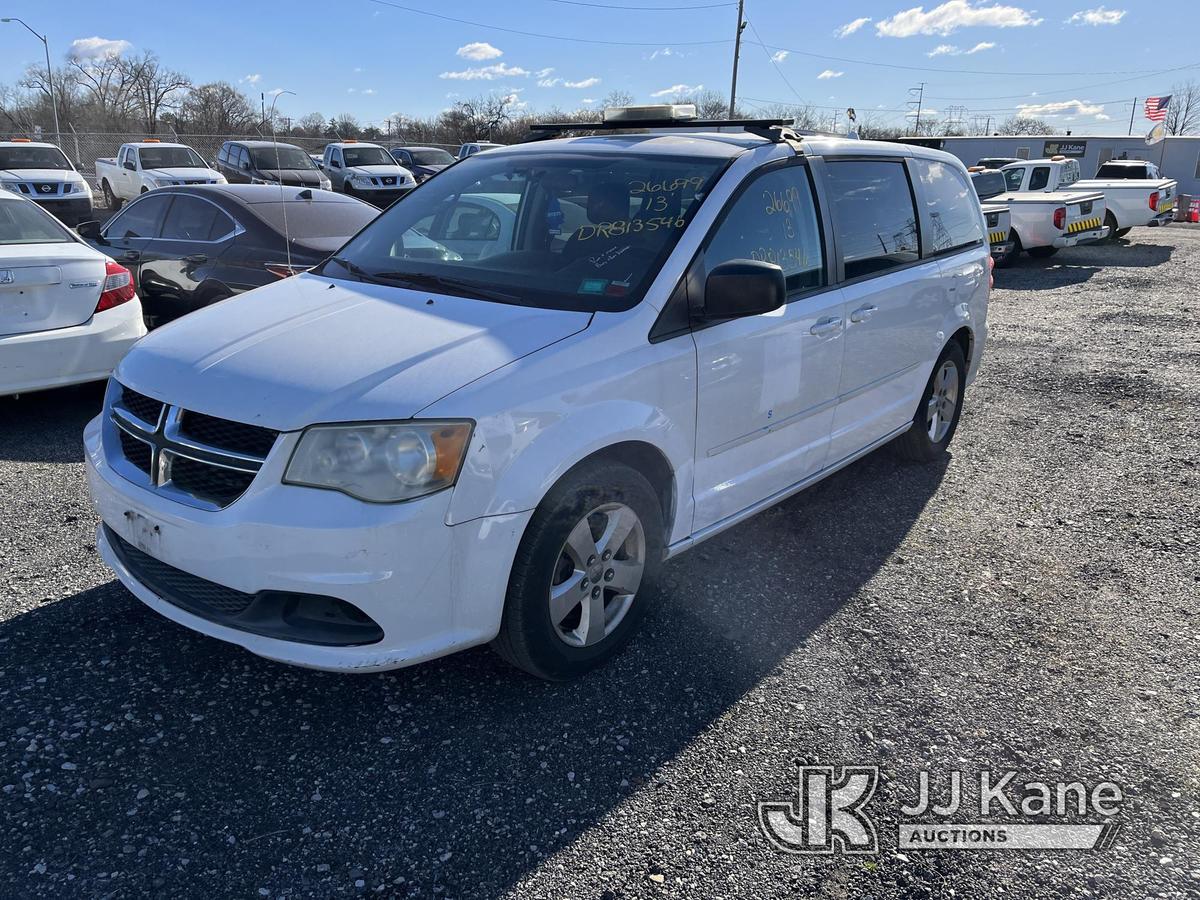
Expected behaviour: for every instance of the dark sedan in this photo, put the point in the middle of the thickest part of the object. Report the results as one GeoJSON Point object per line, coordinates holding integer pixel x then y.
{"type": "Point", "coordinates": [423, 162]}
{"type": "Point", "coordinates": [188, 247]}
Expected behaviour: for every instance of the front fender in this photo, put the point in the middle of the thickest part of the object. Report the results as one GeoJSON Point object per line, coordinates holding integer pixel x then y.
{"type": "Point", "coordinates": [515, 460]}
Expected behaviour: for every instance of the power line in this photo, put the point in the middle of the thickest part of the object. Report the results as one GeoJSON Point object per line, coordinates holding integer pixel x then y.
{"type": "Point", "coordinates": [536, 34]}
{"type": "Point", "coordinates": [775, 65]}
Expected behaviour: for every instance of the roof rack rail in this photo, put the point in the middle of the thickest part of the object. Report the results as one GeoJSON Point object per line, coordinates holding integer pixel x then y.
{"type": "Point", "coordinates": [776, 130]}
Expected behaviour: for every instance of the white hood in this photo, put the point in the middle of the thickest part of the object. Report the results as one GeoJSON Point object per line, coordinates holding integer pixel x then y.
{"type": "Point", "coordinates": [55, 175]}
{"type": "Point", "coordinates": [310, 349]}
{"type": "Point", "coordinates": [181, 173]}
{"type": "Point", "coordinates": [381, 171]}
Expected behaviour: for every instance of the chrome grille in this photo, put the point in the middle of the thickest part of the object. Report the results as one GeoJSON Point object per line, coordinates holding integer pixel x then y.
{"type": "Point", "coordinates": [194, 458]}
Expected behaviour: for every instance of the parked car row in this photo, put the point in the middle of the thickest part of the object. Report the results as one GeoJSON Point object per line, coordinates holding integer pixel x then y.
{"type": "Point", "coordinates": [1041, 206]}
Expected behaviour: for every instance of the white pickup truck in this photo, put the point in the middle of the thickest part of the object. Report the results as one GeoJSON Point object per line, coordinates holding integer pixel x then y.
{"type": "Point", "coordinates": [1042, 222]}
{"type": "Point", "coordinates": [1129, 202]}
{"type": "Point", "coordinates": [151, 164]}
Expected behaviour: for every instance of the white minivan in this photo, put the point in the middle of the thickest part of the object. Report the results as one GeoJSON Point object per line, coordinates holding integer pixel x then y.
{"type": "Point", "coordinates": [495, 412]}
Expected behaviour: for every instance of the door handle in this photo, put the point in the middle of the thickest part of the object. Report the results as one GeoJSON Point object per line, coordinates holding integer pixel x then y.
{"type": "Point", "coordinates": [826, 326]}
{"type": "Point", "coordinates": [196, 258]}
{"type": "Point", "coordinates": [131, 256]}
{"type": "Point", "coordinates": [863, 313]}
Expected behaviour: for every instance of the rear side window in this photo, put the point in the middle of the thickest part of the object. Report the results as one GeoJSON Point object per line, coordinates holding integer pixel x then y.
{"type": "Point", "coordinates": [1039, 178]}
{"type": "Point", "coordinates": [316, 218]}
{"type": "Point", "coordinates": [1014, 177]}
{"type": "Point", "coordinates": [774, 220]}
{"type": "Point", "coordinates": [192, 219]}
{"type": "Point", "coordinates": [950, 205]}
{"type": "Point", "coordinates": [873, 214]}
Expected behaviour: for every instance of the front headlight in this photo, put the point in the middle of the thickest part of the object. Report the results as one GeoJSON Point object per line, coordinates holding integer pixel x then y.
{"type": "Point", "coordinates": [364, 180]}
{"type": "Point", "coordinates": [381, 463]}
{"type": "Point", "coordinates": [14, 186]}
{"type": "Point", "coordinates": [220, 179]}
{"type": "Point", "coordinates": [326, 184]}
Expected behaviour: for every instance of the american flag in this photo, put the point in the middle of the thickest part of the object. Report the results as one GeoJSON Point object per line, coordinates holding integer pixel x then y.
{"type": "Point", "coordinates": [1156, 108]}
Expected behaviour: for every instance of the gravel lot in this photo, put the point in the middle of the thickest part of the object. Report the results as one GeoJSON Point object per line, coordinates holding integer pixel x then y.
{"type": "Point", "coordinates": [1031, 605]}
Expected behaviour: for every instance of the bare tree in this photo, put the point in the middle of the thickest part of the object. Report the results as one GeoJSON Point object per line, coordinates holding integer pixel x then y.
{"type": "Point", "coordinates": [311, 125]}
{"type": "Point", "coordinates": [1022, 125]}
{"type": "Point", "coordinates": [108, 86]}
{"type": "Point", "coordinates": [479, 118]}
{"type": "Point", "coordinates": [216, 108]}
{"type": "Point", "coordinates": [155, 87]}
{"type": "Point", "coordinates": [1183, 114]}
{"type": "Point", "coordinates": [344, 125]}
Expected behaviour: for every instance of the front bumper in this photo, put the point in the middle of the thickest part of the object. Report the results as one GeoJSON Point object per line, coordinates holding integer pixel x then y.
{"type": "Point", "coordinates": [69, 212]}
{"type": "Point", "coordinates": [381, 197]}
{"type": "Point", "coordinates": [1001, 249]}
{"type": "Point", "coordinates": [1082, 237]}
{"type": "Point", "coordinates": [430, 587]}
{"type": "Point", "coordinates": [76, 355]}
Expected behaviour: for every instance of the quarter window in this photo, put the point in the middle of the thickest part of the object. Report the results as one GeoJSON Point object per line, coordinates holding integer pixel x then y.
{"type": "Point", "coordinates": [191, 219]}
{"type": "Point", "coordinates": [774, 220]}
{"type": "Point", "coordinates": [1014, 177]}
{"type": "Point", "coordinates": [1039, 178]}
{"type": "Point", "coordinates": [952, 211]}
{"type": "Point", "coordinates": [874, 215]}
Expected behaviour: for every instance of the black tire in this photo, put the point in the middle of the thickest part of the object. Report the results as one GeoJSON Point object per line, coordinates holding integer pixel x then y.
{"type": "Point", "coordinates": [917, 444]}
{"type": "Point", "coordinates": [1121, 232]}
{"type": "Point", "coordinates": [1003, 262]}
{"type": "Point", "coordinates": [1042, 252]}
{"type": "Point", "coordinates": [529, 638]}
{"type": "Point", "coordinates": [111, 200]}
{"type": "Point", "coordinates": [1111, 221]}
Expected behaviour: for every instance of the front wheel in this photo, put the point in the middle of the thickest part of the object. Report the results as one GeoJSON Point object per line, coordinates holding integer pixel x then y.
{"type": "Point", "coordinates": [1121, 232]}
{"type": "Point", "coordinates": [936, 418]}
{"type": "Point", "coordinates": [1042, 252]}
{"type": "Point", "coordinates": [578, 588]}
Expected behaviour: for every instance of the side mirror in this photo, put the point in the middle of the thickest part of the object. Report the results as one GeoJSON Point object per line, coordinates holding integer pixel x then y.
{"type": "Point", "coordinates": [91, 231]}
{"type": "Point", "coordinates": [743, 287]}
{"type": "Point", "coordinates": [131, 165]}
{"type": "Point", "coordinates": [335, 163]}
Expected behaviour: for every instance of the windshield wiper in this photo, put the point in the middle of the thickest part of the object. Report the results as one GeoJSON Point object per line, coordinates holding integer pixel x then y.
{"type": "Point", "coordinates": [354, 269]}
{"type": "Point", "coordinates": [452, 285]}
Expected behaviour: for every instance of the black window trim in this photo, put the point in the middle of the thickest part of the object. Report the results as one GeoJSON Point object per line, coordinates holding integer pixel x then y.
{"type": "Point", "coordinates": [921, 259]}
{"type": "Point", "coordinates": [922, 212]}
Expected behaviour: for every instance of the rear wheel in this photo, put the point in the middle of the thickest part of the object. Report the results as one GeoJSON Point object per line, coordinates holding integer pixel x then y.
{"type": "Point", "coordinates": [1121, 232]}
{"type": "Point", "coordinates": [578, 588]}
{"type": "Point", "coordinates": [1111, 221]}
{"type": "Point", "coordinates": [1042, 252]}
{"type": "Point", "coordinates": [936, 418]}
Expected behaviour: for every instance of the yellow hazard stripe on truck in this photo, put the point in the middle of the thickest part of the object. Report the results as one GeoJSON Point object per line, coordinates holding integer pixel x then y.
{"type": "Point", "coordinates": [1166, 205]}
{"type": "Point", "coordinates": [1085, 225]}
{"type": "Point", "coordinates": [998, 237]}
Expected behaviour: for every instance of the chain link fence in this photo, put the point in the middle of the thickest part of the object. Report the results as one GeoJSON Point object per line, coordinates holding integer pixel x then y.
{"type": "Point", "coordinates": [84, 148]}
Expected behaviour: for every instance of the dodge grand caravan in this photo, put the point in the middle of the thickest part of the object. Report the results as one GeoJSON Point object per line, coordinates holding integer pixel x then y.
{"type": "Point", "coordinates": [495, 412]}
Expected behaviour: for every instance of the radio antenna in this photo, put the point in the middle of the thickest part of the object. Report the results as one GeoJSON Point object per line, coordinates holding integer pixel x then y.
{"type": "Point", "coordinates": [287, 237]}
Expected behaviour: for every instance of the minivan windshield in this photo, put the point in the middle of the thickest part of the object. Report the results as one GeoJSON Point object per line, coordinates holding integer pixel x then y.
{"type": "Point", "coordinates": [989, 184]}
{"type": "Point", "coordinates": [282, 157]}
{"type": "Point", "coordinates": [33, 158]}
{"type": "Point", "coordinates": [578, 231]}
{"type": "Point", "coordinates": [170, 158]}
{"type": "Point", "coordinates": [431, 157]}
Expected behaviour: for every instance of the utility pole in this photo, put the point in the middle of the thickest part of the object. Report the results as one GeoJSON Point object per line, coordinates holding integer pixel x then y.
{"type": "Point", "coordinates": [1131, 114]}
{"type": "Point", "coordinates": [49, 71]}
{"type": "Point", "coordinates": [737, 49]}
{"type": "Point", "coordinates": [919, 91]}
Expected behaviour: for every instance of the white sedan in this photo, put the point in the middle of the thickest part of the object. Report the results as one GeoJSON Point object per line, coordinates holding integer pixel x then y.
{"type": "Point", "coordinates": [67, 312]}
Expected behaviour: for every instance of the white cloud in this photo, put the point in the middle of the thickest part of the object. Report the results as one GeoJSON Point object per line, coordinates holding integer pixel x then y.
{"type": "Point", "coordinates": [97, 48]}
{"type": "Point", "coordinates": [357, 69]}
{"type": "Point", "coordinates": [583, 83]}
{"type": "Point", "coordinates": [779, 56]}
{"type": "Point", "coordinates": [951, 16]}
{"type": "Point", "coordinates": [1097, 16]}
{"type": "Point", "coordinates": [829, 73]}
{"type": "Point", "coordinates": [678, 89]}
{"type": "Point", "coordinates": [369, 90]}
{"type": "Point", "coordinates": [588, 101]}
{"type": "Point", "coordinates": [926, 113]}
{"type": "Point", "coordinates": [951, 50]}
{"type": "Point", "coordinates": [850, 27]}
{"type": "Point", "coordinates": [251, 79]}
{"type": "Point", "coordinates": [665, 51]}
{"type": "Point", "coordinates": [1102, 117]}
{"type": "Point", "coordinates": [486, 73]}
{"type": "Point", "coordinates": [478, 50]}
{"type": "Point", "coordinates": [542, 73]}
{"type": "Point", "coordinates": [1049, 110]}
{"type": "Point", "coordinates": [349, 90]}
{"type": "Point", "coordinates": [275, 92]}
